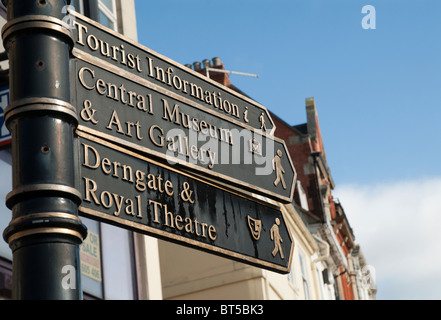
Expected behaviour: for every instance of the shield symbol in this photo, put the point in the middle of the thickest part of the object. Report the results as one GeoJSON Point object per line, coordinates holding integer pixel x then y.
{"type": "Point", "coordinates": [255, 227]}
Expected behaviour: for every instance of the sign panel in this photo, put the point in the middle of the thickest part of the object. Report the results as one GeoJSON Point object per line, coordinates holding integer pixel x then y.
{"type": "Point", "coordinates": [5, 135]}
{"type": "Point", "coordinates": [95, 42]}
{"type": "Point", "coordinates": [125, 189]}
{"type": "Point", "coordinates": [134, 115]}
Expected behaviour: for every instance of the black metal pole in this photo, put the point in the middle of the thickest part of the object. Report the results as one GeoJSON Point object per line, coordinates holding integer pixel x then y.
{"type": "Point", "coordinates": [45, 231]}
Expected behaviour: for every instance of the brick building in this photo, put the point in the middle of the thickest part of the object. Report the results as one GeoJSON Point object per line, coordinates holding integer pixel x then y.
{"type": "Point", "coordinates": [324, 215]}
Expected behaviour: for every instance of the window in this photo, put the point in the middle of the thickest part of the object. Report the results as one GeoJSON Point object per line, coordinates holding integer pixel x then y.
{"type": "Point", "coordinates": [91, 260]}
{"type": "Point", "coordinates": [304, 276]}
{"type": "Point", "coordinates": [107, 14]}
{"type": "Point", "coordinates": [303, 196]}
{"type": "Point", "coordinates": [118, 261]}
{"type": "Point", "coordinates": [79, 5]}
{"type": "Point", "coordinates": [5, 188]}
{"type": "Point", "coordinates": [103, 11]}
{"type": "Point", "coordinates": [107, 266]}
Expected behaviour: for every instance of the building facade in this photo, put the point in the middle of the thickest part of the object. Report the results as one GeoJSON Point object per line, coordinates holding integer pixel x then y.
{"type": "Point", "coordinates": [323, 214]}
{"type": "Point", "coordinates": [118, 264]}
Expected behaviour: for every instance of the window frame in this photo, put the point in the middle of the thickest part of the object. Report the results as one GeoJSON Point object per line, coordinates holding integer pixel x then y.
{"type": "Point", "coordinates": [304, 274]}
{"type": "Point", "coordinates": [112, 16]}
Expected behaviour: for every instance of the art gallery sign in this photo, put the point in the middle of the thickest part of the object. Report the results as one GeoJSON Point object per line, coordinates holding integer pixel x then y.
{"type": "Point", "coordinates": [108, 128]}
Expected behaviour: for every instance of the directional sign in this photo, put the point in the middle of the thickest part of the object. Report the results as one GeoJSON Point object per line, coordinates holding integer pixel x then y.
{"type": "Point", "coordinates": [137, 98]}
{"type": "Point", "coordinates": [134, 115]}
{"type": "Point", "coordinates": [94, 42]}
{"type": "Point", "coordinates": [5, 135]}
{"type": "Point", "coordinates": [131, 191]}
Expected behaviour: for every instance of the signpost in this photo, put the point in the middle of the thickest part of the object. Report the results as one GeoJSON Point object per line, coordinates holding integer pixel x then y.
{"type": "Point", "coordinates": [158, 145]}
{"type": "Point", "coordinates": [125, 189]}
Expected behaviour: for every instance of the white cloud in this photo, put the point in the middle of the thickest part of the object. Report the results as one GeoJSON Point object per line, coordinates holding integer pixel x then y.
{"type": "Point", "coordinates": [398, 226]}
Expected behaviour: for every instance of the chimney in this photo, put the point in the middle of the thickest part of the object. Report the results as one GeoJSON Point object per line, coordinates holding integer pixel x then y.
{"type": "Point", "coordinates": [197, 66]}
{"type": "Point", "coordinates": [311, 115]}
{"type": "Point", "coordinates": [217, 63]}
{"type": "Point", "coordinates": [206, 63]}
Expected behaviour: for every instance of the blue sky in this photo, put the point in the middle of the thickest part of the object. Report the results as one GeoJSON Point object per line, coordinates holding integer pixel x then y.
{"type": "Point", "coordinates": [378, 94]}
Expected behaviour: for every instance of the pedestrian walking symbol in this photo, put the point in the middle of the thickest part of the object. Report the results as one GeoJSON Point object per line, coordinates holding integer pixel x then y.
{"type": "Point", "coordinates": [275, 236]}
{"type": "Point", "coordinates": [277, 167]}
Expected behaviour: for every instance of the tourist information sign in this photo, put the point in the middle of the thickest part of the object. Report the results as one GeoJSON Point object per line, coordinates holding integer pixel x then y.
{"type": "Point", "coordinates": [128, 94]}
{"type": "Point", "coordinates": [126, 189]}
{"type": "Point", "coordinates": [92, 40]}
